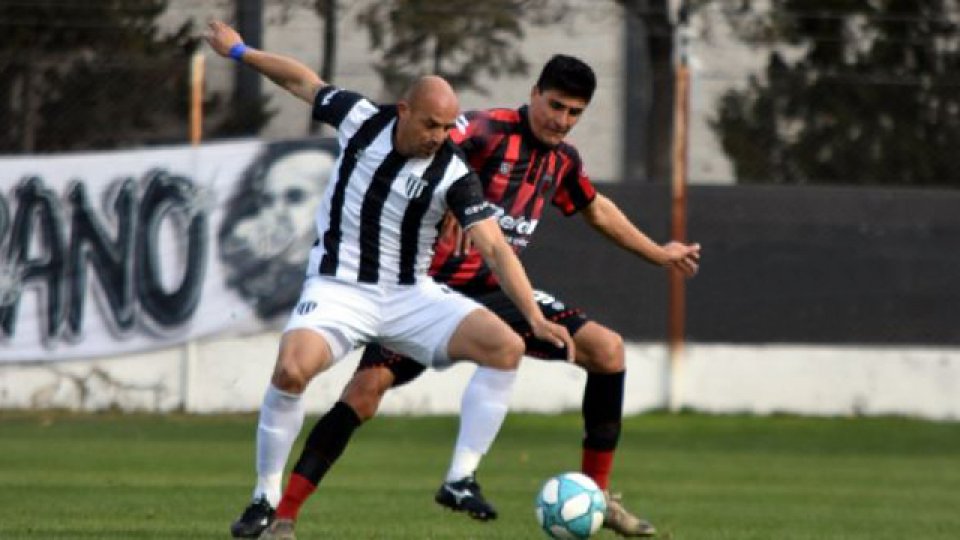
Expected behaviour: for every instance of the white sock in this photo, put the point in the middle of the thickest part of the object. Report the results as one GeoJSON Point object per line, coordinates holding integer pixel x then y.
{"type": "Point", "coordinates": [281, 417]}
{"type": "Point", "coordinates": [482, 410]}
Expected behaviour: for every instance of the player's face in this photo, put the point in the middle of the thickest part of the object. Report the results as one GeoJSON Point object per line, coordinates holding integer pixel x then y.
{"type": "Point", "coordinates": [421, 130]}
{"type": "Point", "coordinates": [553, 114]}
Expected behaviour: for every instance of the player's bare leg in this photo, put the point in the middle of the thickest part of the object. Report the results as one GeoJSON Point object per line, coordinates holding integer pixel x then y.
{"type": "Point", "coordinates": [365, 391]}
{"type": "Point", "coordinates": [486, 340]}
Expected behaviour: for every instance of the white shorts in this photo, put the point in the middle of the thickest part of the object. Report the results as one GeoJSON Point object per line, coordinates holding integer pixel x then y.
{"type": "Point", "coordinates": [415, 320]}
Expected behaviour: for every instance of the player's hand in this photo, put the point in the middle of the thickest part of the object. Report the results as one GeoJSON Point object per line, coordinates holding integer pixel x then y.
{"type": "Point", "coordinates": [221, 37]}
{"type": "Point", "coordinates": [452, 234]}
{"type": "Point", "coordinates": [556, 334]}
{"type": "Point", "coordinates": [683, 257]}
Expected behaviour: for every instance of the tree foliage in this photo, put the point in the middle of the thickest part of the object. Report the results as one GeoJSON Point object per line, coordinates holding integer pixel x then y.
{"type": "Point", "coordinates": [79, 75]}
{"type": "Point", "coordinates": [461, 40]}
{"type": "Point", "coordinates": [864, 93]}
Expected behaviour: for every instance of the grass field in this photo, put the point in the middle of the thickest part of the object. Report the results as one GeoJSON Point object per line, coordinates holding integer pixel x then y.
{"type": "Point", "coordinates": [65, 476]}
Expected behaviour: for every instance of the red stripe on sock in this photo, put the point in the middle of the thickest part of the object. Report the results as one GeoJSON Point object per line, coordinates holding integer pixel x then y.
{"type": "Point", "coordinates": [597, 464]}
{"type": "Point", "coordinates": [298, 491]}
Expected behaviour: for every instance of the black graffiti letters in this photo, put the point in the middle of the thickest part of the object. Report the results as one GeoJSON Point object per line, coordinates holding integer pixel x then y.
{"type": "Point", "coordinates": [164, 194]}
{"type": "Point", "coordinates": [112, 261]}
{"type": "Point", "coordinates": [65, 247]}
{"type": "Point", "coordinates": [37, 207]}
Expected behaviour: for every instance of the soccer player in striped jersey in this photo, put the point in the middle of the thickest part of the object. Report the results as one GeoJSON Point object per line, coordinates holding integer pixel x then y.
{"type": "Point", "coordinates": [523, 160]}
{"type": "Point", "coordinates": [395, 179]}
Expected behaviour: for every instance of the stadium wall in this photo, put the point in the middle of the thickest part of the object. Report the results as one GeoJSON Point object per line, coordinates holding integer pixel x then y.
{"type": "Point", "coordinates": [230, 376]}
{"type": "Point", "coordinates": [810, 300]}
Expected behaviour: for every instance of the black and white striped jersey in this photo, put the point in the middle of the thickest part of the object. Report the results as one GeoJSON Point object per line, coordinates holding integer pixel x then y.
{"type": "Point", "coordinates": [381, 212]}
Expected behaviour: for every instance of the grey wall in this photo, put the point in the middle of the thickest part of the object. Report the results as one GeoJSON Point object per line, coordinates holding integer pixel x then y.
{"type": "Point", "coordinates": [780, 264]}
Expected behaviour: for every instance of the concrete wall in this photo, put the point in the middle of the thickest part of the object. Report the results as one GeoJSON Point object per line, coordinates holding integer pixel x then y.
{"type": "Point", "coordinates": [229, 375]}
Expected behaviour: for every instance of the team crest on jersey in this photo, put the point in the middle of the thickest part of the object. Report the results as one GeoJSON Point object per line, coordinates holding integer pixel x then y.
{"type": "Point", "coordinates": [415, 186]}
{"type": "Point", "coordinates": [505, 167]}
{"type": "Point", "coordinates": [306, 307]}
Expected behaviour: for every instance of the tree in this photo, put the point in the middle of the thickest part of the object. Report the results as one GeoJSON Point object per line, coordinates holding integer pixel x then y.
{"type": "Point", "coordinates": [870, 98]}
{"type": "Point", "coordinates": [78, 75]}
{"type": "Point", "coordinates": [457, 39]}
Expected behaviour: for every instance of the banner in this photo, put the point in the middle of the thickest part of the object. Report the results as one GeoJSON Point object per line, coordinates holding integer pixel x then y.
{"type": "Point", "coordinates": [108, 253]}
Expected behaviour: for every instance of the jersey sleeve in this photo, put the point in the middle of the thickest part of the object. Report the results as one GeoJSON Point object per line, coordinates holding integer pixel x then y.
{"type": "Point", "coordinates": [574, 191]}
{"type": "Point", "coordinates": [342, 109]}
{"type": "Point", "coordinates": [465, 200]}
{"type": "Point", "coordinates": [471, 131]}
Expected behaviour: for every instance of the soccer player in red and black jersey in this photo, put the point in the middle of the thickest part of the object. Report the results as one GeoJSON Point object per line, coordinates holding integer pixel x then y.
{"type": "Point", "coordinates": [522, 160]}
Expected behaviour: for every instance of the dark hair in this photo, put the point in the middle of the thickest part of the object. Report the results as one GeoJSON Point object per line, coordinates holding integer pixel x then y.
{"type": "Point", "coordinates": [569, 75]}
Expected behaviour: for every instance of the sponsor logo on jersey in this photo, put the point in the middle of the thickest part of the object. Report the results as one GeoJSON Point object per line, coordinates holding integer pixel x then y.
{"type": "Point", "coordinates": [517, 224]}
{"type": "Point", "coordinates": [471, 210]}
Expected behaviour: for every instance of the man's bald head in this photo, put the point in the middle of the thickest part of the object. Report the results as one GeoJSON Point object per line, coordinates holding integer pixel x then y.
{"type": "Point", "coordinates": [431, 91]}
{"type": "Point", "coordinates": [427, 112]}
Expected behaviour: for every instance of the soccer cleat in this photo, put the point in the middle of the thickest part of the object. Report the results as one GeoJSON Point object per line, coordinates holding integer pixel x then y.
{"type": "Point", "coordinates": [464, 495]}
{"type": "Point", "coordinates": [619, 520]}
{"type": "Point", "coordinates": [281, 529]}
{"type": "Point", "coordinates": [255, 518]}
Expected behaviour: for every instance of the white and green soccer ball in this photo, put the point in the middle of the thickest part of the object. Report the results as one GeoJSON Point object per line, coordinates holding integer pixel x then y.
{"type": "Point", "coordinates": [570, 506]}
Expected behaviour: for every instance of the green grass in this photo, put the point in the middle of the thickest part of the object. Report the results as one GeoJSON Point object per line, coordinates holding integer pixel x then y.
{"type": "Point", "coordinates": [65, 476]}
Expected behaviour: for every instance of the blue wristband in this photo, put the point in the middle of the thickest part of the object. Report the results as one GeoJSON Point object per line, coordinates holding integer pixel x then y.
{"type": "Point", "coordinates": [236, 52]}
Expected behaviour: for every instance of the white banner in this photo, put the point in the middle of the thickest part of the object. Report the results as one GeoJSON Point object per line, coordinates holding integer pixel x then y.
{"type": "Point", "coordinates": [108, 253]}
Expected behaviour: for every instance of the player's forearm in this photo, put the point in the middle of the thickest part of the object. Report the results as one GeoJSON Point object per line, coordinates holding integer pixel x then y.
{"type": "Point", "coordinates": [286, 72]}
{"type": "Point", "coordinates": [607, 219]}
{"type": "Point", "coordinates": [503, 262]}
{"type": "Point", "coordinates": [514, 281]}
{"type": "Point", "coordinates": [634, 241]}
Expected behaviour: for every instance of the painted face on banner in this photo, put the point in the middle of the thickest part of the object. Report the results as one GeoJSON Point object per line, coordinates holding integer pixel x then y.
{"type": "Point", "coordinates": [283, 224]}
{"type": "Point", "coordinates": [267, 244]}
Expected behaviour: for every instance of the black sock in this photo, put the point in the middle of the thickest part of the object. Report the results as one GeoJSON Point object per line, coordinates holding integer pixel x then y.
{"type": "Point", "coordinates": [603, 410]}
{"type": "Point", "coordinates": [326, 442]}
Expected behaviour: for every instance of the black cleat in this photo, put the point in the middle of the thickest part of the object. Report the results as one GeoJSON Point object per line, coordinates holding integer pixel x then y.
{"type": "Point", "coordinates": [464, 495]}
{"type": "Point", "coordinates": [255, 518]}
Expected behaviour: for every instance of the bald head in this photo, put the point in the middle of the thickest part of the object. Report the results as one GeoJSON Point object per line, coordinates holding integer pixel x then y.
{"type": "Point", "coordinates": [427, 112]}
{"type": "Point", "coordinates": [431, 91]}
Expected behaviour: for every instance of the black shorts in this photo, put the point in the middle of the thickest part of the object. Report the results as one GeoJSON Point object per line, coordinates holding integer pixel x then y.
{"type": "Point", "coordinates": [406, 369]}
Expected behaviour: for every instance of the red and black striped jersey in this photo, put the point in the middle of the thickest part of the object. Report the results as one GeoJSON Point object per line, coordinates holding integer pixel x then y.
{"type": "Point", "coordinates": [518, 173]}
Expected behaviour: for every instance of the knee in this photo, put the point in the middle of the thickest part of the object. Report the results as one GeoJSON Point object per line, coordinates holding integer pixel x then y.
{"type": "Point", "coordinates": [292, 372]}
{"type": "Point", "coordinates": [606, 355]}
{"type": "Point", "coordinates": [364, 393]}
{"type": "Point", "coordinates": [289, 375]}
{"type": "Point", "coordinates": [509, 351]}
{"type": "Point", "coordinates": [302, 355]}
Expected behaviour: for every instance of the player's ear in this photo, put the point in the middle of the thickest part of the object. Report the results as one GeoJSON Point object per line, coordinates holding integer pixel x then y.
{"type": "Point", "coordinates": [534, 92]}
{"type": "Point", "coordinates": [403, 108]}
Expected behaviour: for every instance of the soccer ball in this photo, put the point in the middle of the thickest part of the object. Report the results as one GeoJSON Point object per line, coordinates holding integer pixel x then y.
{"type": "Point", "coordinates": [570, 506]}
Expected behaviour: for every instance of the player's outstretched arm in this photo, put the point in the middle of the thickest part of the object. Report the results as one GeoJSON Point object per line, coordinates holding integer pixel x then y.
{"type": "Point", "coordinates": [606, 217]}
{"type": "Point", "coordinates": [487, 237]}
{"type": "Point", "coordinates": [286, 72]}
